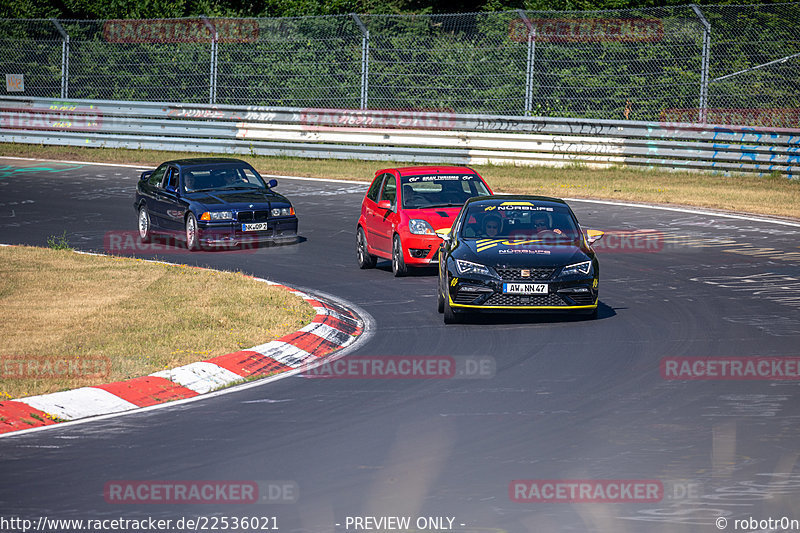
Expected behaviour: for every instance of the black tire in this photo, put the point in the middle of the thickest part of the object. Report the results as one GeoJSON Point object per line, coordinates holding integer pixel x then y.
{"type": "Point", "coordinates": [365, 259]}
{"type": "Point", "coordinates": [143, 223]}
{"type": "Point", "coordinates": [450, 316]}
{"type": "Point", "coordinates": [399, 267]}
{"type": "Point", "coordinates": [439, 299]}
{"type": "Point", "coordinates": [192, 243]}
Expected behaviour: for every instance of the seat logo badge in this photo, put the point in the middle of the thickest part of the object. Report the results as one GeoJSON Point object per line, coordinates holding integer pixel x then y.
{"type": "Point", "coordinates": [525, 273]}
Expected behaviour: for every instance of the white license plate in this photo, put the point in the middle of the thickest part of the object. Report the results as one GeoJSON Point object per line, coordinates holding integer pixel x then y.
{"type": "Point", "coordinates": [525, 288]}
{"type": "Point", "coordinates": [256, 226]}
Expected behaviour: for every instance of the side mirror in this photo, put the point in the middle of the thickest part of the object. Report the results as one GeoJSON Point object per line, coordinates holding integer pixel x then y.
{"type": "Point", "coordinates": [145, 175]}
{"type": "Point", "coordinates": [272, 183]}
{"type": "Point", "coordinates": [443, 234]}
{"type": "Point", "coordinates": [385, 204]}
{"type": "Point", "coordinates": [593, 235]}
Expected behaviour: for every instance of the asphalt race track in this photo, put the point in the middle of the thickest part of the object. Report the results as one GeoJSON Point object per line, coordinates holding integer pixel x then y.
{"type": "Point", "coordinates": [566, 400]}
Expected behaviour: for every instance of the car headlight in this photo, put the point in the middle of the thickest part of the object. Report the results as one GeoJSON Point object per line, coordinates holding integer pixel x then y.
{"type": "Point", "coordinates": [468, 267]}
{"type": "Point", "coordinates": [217, 215]}
{"type": "Point", "coordinates": [417, 226]}
{"type": "Point", "coordinates": [577, 269]}
{"type": "Point", "coordinates": [282, 211]}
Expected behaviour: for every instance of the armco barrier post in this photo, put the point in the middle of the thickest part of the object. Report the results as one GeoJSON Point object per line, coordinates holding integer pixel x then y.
{"type": "Point", "coordinates": [212, 76]}
{"type": "Point", "coordinates": [64, 58]}
{"type": "Point", "coordinates": [704, 74]}
{"type": "Point", "coordinates": [529, 62]}
{"type": "Point", "coordinates": [364, 60]}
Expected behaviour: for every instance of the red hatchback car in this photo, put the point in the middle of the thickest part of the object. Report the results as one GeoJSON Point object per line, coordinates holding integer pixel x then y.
{"type": "Point", "coordinates": [404, 207]}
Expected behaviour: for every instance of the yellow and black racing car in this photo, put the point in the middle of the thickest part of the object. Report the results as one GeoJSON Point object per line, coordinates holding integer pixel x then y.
{"type": "Point", "coordinates": [517, 253]}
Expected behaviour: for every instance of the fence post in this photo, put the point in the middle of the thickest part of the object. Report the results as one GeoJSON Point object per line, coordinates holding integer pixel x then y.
{"type": "Point", "coordinates": [704, 74]}
{"type": "Point", "coordinates": [212, 75]}
{"type": "Point", "coordinates": [64, 58]}
{"type": "Point", "coordinates": [364, 60]}
{"type": "Point", "coordinates": [529, 62]}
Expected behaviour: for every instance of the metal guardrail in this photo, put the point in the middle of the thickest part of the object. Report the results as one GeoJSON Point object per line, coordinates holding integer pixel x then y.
{"type": "Point", "coordinates": [422, 137]}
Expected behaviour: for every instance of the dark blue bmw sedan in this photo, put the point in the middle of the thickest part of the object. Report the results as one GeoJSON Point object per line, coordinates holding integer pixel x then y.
{"type": "Point", "coordinates": [214, 202]}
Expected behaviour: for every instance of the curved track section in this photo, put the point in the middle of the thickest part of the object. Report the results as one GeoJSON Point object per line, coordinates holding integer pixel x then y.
{"type": "Point", "coordinates": [565, 400]}
{"type": "Point", "coordinates": [334, 328]}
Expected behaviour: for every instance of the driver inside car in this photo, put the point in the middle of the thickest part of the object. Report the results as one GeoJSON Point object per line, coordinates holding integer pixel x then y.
{"type": "Point", "coordinates": [541, 224]}
{"type": "Point", "coordinates": [491, 225]}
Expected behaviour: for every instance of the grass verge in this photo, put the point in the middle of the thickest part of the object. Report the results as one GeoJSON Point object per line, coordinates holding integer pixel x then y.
{"type": "Point", "coordinates": [133, 317]}
{"type": "Point", "coordinates": [772, 195]}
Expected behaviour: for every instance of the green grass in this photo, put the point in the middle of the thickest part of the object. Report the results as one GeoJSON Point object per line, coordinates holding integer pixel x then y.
{"type": "Point", "coordinates": [133, 316]}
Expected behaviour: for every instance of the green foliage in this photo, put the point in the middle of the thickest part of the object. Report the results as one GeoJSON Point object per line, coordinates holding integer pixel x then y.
{"type": "Point", "coordinates": [114, 9]}
{"type": "Point", "coordinates": [462, 63]}
{"type": "Point", "coordinates": [59, 242]}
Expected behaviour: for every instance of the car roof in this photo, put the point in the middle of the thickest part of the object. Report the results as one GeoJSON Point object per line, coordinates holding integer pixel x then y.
{"type": "Point", "coordinates": [499, 199]}
{"type": "Point", "coordinates": [414, 171]}
{"type": "Point", "coordinates": [205, 161]}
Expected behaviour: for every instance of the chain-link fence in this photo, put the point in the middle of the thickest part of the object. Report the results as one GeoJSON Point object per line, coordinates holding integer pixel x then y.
{"type": "Point", "coordinates": [724, 64]}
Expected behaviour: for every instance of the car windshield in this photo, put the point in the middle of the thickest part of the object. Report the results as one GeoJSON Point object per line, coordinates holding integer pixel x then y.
{"type": "Point", "coordinates": [519, 220]}
{"type": "Point", "coordinates": [440, 190]}
{"type": "Point", "coordinates": [221, 177]}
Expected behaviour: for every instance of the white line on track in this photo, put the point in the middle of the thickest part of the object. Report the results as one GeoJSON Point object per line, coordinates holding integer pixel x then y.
{"type": "Point", "coordinates": [692, 211]}
{"type": "Point", "coordinates": [604, 202]}
{"type": "Point", "coordinates": [73, 162]}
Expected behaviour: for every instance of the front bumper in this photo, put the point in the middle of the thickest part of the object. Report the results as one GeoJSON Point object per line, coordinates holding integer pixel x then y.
{"type": "Point", "coordinates": [232, 234]}
{"type": "Point", "coordinates": [420, 250]}
{"type": "Point", "coordinates": [486, 294]}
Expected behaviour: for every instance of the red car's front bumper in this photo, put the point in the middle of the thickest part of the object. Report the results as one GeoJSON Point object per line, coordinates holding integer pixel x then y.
{"type": "Point", "coordinates": [420, 250]}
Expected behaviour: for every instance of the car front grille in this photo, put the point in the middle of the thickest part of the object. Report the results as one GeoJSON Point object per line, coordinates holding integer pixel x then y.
{"type": "Point", "coordinates": [515, 274]}
{"type": "Point", "coordinates": [584, 298]}
{"type": "Point", "coordinates": [252, 216]}
{"type": "Point", "coordinates": [465, 298]}
{"type": "Point", "coordinates": [550, 300]}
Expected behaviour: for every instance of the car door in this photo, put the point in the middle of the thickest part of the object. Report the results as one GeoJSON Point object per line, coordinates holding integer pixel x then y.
{"type": "Point", "coordinates": [150, 192]}
{"type": "Point", "coordinates": [370, 210]}
{"type": "Point", "coordinates": [385, 220]}
{"type": "Point", "coordinates": [165, 201]}
{"type": "Point", "coordinates": [170, 196]}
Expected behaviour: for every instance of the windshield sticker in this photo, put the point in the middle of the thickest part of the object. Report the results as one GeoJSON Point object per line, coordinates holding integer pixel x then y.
{"type": "Point", "coordinates": [517, 206]}
{"type": "Point", "coordinates": [537, 251]}
{"type": "Point", "coordinates": [415, 179]}
{"type": "Point", "coordinates": [485, 244]}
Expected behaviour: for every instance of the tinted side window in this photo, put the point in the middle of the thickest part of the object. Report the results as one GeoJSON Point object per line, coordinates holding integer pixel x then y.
{"type": "Point", "coordinates": [171, 181]}
{"type": "Point", "coordinates": [157, 176]}
{"type": "Point", "coordinates": [390, 189]}
{"type": "Point", "coordinates": [372, 193]}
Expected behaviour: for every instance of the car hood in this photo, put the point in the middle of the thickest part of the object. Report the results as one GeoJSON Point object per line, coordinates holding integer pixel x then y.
{"type": "Point", "coordinates": [437, 217]}
{"type": "Point", "coordinates": [520, 253]}
{"type": "Point", "coordinates": [237, 198]}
